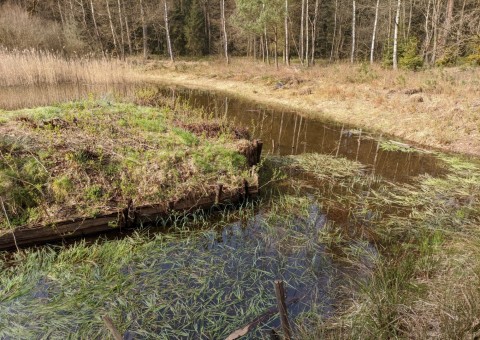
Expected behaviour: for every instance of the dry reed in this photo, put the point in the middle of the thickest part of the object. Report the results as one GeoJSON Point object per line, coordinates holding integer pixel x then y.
{"type": "Point", "coordinates": [34, 67]}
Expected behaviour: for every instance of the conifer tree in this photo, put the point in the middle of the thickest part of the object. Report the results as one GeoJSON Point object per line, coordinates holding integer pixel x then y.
{"type": "Point", "coordinates": [196, 40]}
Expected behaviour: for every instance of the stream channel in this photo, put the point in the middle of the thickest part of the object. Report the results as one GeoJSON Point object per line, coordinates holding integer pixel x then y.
{"type": "Point", "coordinates": [207, 283]}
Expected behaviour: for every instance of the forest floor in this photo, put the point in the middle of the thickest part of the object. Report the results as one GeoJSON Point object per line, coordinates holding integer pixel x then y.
{"type": "Point", "coordinates": [436, 107]}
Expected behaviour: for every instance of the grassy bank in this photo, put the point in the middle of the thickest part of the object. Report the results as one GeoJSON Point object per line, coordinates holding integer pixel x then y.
{"type": "Point", "coordinates": [436, 107]}
{"type": "Point", "coordinates": [85, 158]}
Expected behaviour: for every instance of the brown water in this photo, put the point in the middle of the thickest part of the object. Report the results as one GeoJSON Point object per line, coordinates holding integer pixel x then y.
{"type": "Point", "coordinates": [284, 132]}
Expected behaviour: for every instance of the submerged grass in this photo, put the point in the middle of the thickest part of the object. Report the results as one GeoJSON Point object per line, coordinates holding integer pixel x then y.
{"type": "Point", "coordinates": [425, 280]}
{"type": "Point", "coordinates": [91, 157]}
{"type": "Point", "coordinates": [195, 283]}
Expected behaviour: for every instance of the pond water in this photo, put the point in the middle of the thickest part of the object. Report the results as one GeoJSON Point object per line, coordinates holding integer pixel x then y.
{"type": "Point", "coordinates": [216, 280]}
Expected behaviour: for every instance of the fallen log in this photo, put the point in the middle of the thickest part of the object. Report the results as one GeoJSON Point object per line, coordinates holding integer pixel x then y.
{"type": "Point", "coordinates": [128, 218]}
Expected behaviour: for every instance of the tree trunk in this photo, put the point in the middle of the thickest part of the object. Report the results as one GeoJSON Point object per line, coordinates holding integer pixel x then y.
{"type": "Point", "coordinates": [354, 17]}
{"type": "Point", "coordinates": [224, 28]}
{"type": "Point", "coordinates": [395, 37]}
{"type": "Point", "coordinates": [167, 32]}
{"type": "Point", "coordinates": [97, 33]}
{"type": "Point", "coordinates": [410, 19]}
{"type": "Point", "coordinates": [389, 33]}
{"type": "Point", "coordinates": [84, 17]}
{"type": "Point", "coordinates": [208, 29]}
{"type": "Point", "coordinates": [144, 30]}
{"type": "Point", "coordinates": [314, 30]}
{"type": "Point", "coordinates": [266, 45]}
{"type": "Point", "coordinates": [287, 45]}
{"type": "Point", "coordinates": [460, 24]}
{"type": "Point", "coordinates": [122, 35]}
{"type": "Point", "coordinates": [435, 18]}
{"type": "Point", "coordinates": [127, 27]}
{"type": "Point", "coordinates": [334, 31]}
{"type": "Point", "coordinates": [426, 43]}
{"type": "Point", "coordinates": [61, 13]}
{"type": "Point", "coordinates": [111, 27]}
{"type": "Point", "coordinates": [307, 19]}
{"type": "Point", "coordinates": [448, 22]}
{"type": "Point", "coordinates": [276, 48]}
{"type": "Point", "coordinates": [302, 32]}
{"type": "Point", "coordinates": [375, 23]}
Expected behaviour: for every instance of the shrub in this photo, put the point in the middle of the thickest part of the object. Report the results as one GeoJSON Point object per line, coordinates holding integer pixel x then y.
{"type": "Point", "coordinates": [409, 58]}
{"type": "Point", "coordinates": [21, 31]}
{"type": "Point", "coordinates": [473, 51]}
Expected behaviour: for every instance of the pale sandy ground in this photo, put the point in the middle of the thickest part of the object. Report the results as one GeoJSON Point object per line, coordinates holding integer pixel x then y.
{"type": "Point", "coordinates": [444, 111]}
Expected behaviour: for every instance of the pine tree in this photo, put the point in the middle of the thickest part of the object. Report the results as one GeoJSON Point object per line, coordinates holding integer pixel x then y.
{"type": "Point", "coordinates": [177, 27]}
{"type": "Point", "coordinates": [196, 39]}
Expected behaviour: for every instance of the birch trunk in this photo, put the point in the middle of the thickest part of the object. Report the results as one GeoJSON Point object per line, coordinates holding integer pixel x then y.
{"type": "Point", "coordinates": [435, 18]}
{"type": "Point", "coordinates": [287, 46]}
{"type": "Point", "coordinates": [395, 36]}
{"type": "Point", "coordinates": [111, 27]}
{"type": "Point", "coordinates": [302, 32]}
{"type": "Point", "coordinates": [314, 30]}
{"type": "Point", "coordinates": [266, 45]}
{"type": "Point", "coordinates": [334, 31]}
{"type": "Point", "coordinates": [307, 19]}
{"type": "Point", "coordinates": [224, 28]}
{"type": "Point", "coordinates": [144, 30]}
{"type": "Point", "coordinates": [97, 33]}
{"type": "Point", "coordinates": [354, 17]}
{"type": "Point", "coordinates": [167, 31]}
{"type": "Point", "coordinates": [122, 35]}
{"type": "Point", "coordinates": [375, 23]}
{"type": "Point", "coordinates": [276, 47]}
{"type": "Point", "coordinates": [127, 27]}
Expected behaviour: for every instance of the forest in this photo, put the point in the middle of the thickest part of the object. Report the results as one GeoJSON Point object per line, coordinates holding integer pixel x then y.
{"type": "Point", "coordinates": [405, 33]}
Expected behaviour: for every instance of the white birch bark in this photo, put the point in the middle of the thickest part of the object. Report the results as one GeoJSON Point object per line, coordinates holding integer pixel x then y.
{"type": "Point", "coordinates": [395, 36]}
{"type": "Point", "coordinates": [167, 31]}
{"type": "Point", "coordinates": [374, 34]}
{"type": "Point", "coordinates": [224, 28]}
{"type": "Point", "coordinates": [354, 24]}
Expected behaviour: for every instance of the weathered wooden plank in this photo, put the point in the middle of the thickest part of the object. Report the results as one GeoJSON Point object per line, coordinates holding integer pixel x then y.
{"type": "Point", "coordinates": [128, 218]}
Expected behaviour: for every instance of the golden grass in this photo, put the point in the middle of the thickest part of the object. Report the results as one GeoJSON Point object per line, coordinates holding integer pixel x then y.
{"type": "Point", "coordinates": [32, 67]}
{"type": "Point", "coordinates": [445, 113]}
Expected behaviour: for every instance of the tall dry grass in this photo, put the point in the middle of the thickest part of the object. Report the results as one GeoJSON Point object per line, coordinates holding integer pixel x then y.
{"type": "Point", "coordinates": [33, 67]}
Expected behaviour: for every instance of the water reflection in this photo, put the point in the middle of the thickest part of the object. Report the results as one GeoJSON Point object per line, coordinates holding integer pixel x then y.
{"type": "Point", "coordinates": [284, 132]}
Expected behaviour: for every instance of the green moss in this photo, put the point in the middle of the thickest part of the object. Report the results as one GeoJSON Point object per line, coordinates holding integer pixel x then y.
{"type": "Point", "coordinates": [61, 187]}
{"type": "Point", "coordinates": [186, 137]}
